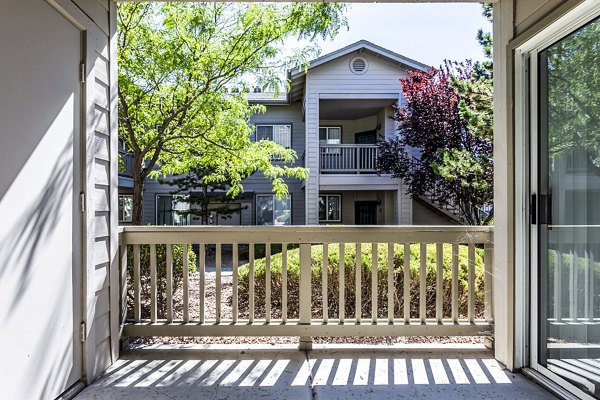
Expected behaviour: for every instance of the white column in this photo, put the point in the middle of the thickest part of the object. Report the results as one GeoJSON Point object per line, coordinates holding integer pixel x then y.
{"type": "Point", "coordinates": [311, 189]}
{"type": "Point", "coordinates": [503, 268]}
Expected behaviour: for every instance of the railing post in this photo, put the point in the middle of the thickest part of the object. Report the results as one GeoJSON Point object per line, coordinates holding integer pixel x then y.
{"type": "Point", "coordinates": [305, 294]}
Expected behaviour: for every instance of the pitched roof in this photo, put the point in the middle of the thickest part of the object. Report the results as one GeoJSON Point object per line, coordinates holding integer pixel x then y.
{"type": "Point", "coordinates": [362, 45]}
{"type": "Point", "coordinates": [298, 75]}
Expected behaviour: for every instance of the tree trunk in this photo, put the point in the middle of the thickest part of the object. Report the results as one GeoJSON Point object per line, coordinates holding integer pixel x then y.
{"type": "Point", "coordinates": [138, 193]}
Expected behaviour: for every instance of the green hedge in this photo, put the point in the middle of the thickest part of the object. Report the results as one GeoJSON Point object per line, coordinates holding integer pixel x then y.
{"type": "Point", "coordinates": [293, 268]}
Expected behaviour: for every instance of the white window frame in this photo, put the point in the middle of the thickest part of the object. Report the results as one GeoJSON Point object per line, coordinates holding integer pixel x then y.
{"type": "Point", "coordinates": [327, 139]}
{"type": "Point", "coordinates": [273, 199]}
{"type": "Point", "coordinates": [273, 138]}
{"type": "Point", "coordinates": [122, 196]}
{"type": "Point", "coordinates": [326, 142]}
{"type": "Point", "coordinates": [173, 197]}
{"type": "Point", "coordinates": [327, 196]}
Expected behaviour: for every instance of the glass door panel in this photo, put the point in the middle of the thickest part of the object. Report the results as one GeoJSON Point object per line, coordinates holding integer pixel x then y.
{"type": "Point", "coordinates": [568, 208]}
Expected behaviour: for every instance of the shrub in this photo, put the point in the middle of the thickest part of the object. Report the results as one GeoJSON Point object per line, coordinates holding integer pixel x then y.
{"type": "Point", "coordinates": [161, 282]}
{"type": "Point", "coordinates": [293, 271]}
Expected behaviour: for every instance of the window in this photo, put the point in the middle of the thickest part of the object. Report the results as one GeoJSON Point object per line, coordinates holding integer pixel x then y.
{"type": "Point", "coordinates": [121, 146]}
{"type": "Point", "coordinates": [330, 135]}
{"type": "Point", "coordinates": [125, 208]}
{"type": "Point", "coordinates": [169, 208]}
{"type": "Point", "coordinates": [330, 207]}
{"type": "Point", "coordinates": [280, 134]}
{"type": "Point", "coordinates": [271, 211]}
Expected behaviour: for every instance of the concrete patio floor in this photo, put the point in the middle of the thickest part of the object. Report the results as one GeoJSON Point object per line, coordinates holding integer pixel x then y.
{"type": "Point", "coordinates": [336, 372]}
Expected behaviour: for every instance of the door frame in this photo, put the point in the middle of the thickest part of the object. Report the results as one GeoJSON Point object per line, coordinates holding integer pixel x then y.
{"type": "Point", "coordinates": [78, 20]}
{"type": "Point", "coordinates": [526, 183]}
{"type": "Point", "coordinates": [92, 46]}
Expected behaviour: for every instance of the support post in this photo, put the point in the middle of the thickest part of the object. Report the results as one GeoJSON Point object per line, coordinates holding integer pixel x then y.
{"type": "Point", "coordinates": [305, 294]}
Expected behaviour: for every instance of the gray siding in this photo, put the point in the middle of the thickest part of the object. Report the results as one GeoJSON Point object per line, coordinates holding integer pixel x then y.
{"type": "Point", "coordinates": [382, 77]}
{"type": "Point", "coordinates": [257, 183]}
{"type": "Point", "coordinates": [424, 215]}
{"type": "Point", "coordinates": [288, 114]}
{"type": "Point", "coordinates": [99, 329]}
{"type": "Point", "coordinates": [336, 79]}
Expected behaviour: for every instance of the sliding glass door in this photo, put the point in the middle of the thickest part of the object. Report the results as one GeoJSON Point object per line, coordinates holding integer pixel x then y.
{"type": "Point", "coordinates": [565, 207]}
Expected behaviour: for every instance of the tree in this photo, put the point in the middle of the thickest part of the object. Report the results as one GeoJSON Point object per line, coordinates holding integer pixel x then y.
{"type": "Point", "coordinates": [572, 97]}
{"type": "Point", "coordinates": [484, 69]}
{"type": "Point", "coordinates": [176, 62]}
{"type": "Point", "coordinates": [443, 149]}
{"type": "Point", "coordinates": [212, 199]}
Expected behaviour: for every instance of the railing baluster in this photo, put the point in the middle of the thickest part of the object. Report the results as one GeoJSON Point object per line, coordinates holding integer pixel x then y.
{"type": "Point", "coordinates": [137, 304]}
{"type": "Point", "coordinates": [234, 261]}
{"type": "Point", "coordinates": [123, 272]}
{"type": "Point", "coordinates": [325, 271]}
{"type": "Point", "coordinates": [390, 282]}
{"type": "Point", "coordinates": [186, 285]}
{"type": "Point", "coordinates": [471, 280]}
{"type": "Point", "coordinates": [573, 285]}
{"type": "Point", "coordinates": [169, 261]}
{"type": "Point", "coordinates": [586, 285]}
{"type": "Point", "coordinates": [406, 283]}
{"type": "Point", "coordinates": [284, 283]}
{"type": "Point", "coordinates": [358, 283]}
{"type": "Point", "coordinates": [423, 283]}
{"type": "Point", "coordinates": [374, 265]}
{"type": "Point", "coordinates": [455, 282]}
{"type": "Point", "coordinates": [558, 287]}
{"type": "Point", "coordinates": [342, 282]}
{"type": "Point", "coordinates": [202, 279]}
{"type": "Point", "coordinates": [591, 289]}
{"type": "Point", "coordinates": [439, 290]}
{"type": "Point", "coordinates": [268, 282]}
{"type": "Point", "coordinates": [305, 282]}
{"type": "Point", "coordinates": [487, 283]}
{"type": "Point", "coordinates": [218, 283]}
{"type": "Point", "coordinates": [251, 282]}
{"type": "Point", "coordinates": [153, 285]}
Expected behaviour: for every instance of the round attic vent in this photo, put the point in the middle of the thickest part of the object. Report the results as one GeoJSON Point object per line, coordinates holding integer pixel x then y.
{"type": "Point", "coordinates": [358, 65]}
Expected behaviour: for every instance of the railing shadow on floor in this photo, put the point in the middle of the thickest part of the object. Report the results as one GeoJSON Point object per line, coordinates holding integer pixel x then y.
{"type": "Point", "coordinates": [281, 372]}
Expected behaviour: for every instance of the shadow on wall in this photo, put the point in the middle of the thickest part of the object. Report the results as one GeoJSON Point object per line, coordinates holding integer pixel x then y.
{"type": "Point", "coordinates": [25, 250]}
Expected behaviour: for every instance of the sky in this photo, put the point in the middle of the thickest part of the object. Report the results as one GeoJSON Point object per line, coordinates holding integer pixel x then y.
{"type": "Point", "coordinates": [428, 33]}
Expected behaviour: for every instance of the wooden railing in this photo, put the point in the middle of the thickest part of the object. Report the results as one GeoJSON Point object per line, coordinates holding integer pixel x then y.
{"type": "Point", "coordinates": [573, 278]}
{"type": "Point", "coordinates": [348, 158]}
{"type": "Point", "coordinates": [298, 287]}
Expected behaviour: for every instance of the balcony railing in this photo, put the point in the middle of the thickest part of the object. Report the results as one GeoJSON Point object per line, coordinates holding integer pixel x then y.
{"type": "Point", "coordinates": [422, 281]}
{"type": "Point", "coordinates": [348, 158]}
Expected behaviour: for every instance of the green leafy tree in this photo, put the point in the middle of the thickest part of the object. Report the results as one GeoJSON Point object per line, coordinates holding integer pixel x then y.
{"type": "Point", "coordinates": [176, 62]}
{"type": "Point", "coordinates": [452, 165]}
{"type": "Point", "coordinates": [573, 98]}
{"type": "Point", "coordinates": [448, 119]}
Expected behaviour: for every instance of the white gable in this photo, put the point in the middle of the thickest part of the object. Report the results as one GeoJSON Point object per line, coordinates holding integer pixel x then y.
{"type": "Point", "coordinates": [381, 77]}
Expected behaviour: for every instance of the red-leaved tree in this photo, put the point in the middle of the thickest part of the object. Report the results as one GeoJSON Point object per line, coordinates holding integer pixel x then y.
{"type": "Point", "coordinates": [443, 147]}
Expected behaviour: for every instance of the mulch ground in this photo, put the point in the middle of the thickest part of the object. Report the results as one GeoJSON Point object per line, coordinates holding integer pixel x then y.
{"type": "Point", "coordinates": [226, 313]}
